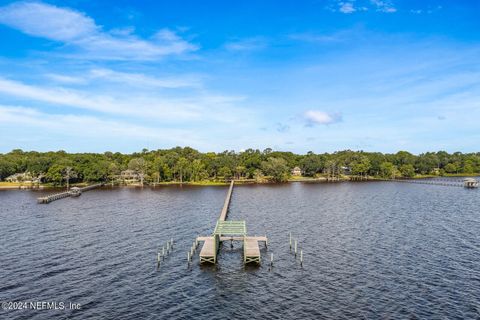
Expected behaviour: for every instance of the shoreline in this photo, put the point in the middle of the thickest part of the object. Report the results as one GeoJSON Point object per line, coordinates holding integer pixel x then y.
{"type": "Point", "coordinates": [18, 186]}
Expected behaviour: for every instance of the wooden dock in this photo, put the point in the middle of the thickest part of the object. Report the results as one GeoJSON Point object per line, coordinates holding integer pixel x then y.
{"type": "Point", "coordinates": [66, 194]}
{"type": "Point", "coordinates": [223, 214]}
{"type": "Point", "coordinates": [230, 231]}
{"type": "Point", "coordinates": [53, 197]}
{"type": "Point", "coordinates": [466, 183]}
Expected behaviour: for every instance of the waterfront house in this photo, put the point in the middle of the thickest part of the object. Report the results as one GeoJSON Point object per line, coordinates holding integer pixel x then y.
{"type": "Point", "coordinates": [296, 171]}
{"type": "Point", "coordinates": [129, 176]}
{"type": "Point", "coordinates": [20, 177]}
{"type": "Point", "coordinates": [346, 170]}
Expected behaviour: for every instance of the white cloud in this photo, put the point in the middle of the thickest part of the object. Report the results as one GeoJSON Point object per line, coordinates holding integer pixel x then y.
{"type": "Point", "coordinates": [314, 117]}
{"type": "Point", "coordinates": [80, 32]}
{"type": "Point", "coordinates": [196, 106]}
{"type": "Point", "coordinates": [65, 79]}
{"type": "Point", "coordinates": [42, 20]}
{"type": "Point", "coordinates": [318, 38]}
{"type": "Point", "coordinates": [138, 79]}
{"type": "Point", "coordinates": [384, 6]}
{"type": "Point", "coordinates": [249, 44]}
{"type": "Point", "coordinates": [74, 125]}
{"type": "Point", "coordinates": [353, 6]}
{"type": "Point", "coordinates": [346, 7]}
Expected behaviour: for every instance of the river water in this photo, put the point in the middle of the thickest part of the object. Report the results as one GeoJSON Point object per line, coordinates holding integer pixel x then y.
{"type": "Point", "coordinates": [372, 250]}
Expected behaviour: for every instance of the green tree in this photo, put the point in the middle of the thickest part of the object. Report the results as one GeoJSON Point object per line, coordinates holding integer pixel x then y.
{"type": "Point", "coordinates": [225, 172]}
{"type": "Point", "coordinates": [240, 171]}
{"type": "Point", "coordinates": [361, 166]}
{"type": "Point", "coordinates": [468, 167]}
{"type": "Point", "coordinates": [113, 171]}
{"type": "Point", "coordinates": [404, 157]}
{"type": "Point", "coordinates": [258, 175]}
{"type": "Point", "coordinates": [312, 164]}
{"type": "Point", "coordinates": [451, 168]}
{"type": "Point", "coordinates": [276, 168]}
{"type": "Point", "coordinates": [182, 167]}
{"type": "Point", "coordinates": [388, 170]}
{"type": "Point", "coordinates": [198, 170]}
{"type": "Point", "coordinates": [7, 168]}
{"type": "Point", "coordinates": [60, 172]}
{"type": "Point", "coordinates": [407, 170]}
{"type": "Point", "coordinates": [139, 165]}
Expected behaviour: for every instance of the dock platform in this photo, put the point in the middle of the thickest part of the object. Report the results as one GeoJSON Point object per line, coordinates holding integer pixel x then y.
{"type": "Point", "coordinates": [251, 250]}
{"type": "Point", "coordinates": [209, 250]}
{"type": "Point", "coordinates": [230, 231]}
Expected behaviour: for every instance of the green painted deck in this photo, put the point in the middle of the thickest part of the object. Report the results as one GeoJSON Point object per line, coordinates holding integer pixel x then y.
{"type": "Point", "coordinates": [230, 228]}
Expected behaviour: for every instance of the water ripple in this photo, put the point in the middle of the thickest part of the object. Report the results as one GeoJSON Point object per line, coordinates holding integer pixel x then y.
{"type": "Point", "coordinates": [371, 251]}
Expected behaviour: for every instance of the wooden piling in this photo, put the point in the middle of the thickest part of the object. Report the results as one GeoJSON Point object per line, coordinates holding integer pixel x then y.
{"type": "Point", "coordinates": [290, 241]}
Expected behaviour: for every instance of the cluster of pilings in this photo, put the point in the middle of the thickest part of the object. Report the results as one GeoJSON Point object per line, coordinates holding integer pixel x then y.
{"type": "Point", "coordinates": [295, 248]}
{"type": "Point", "coordinates": [190, 253]}
{"type": "Point", "coordinates": [164, 252]}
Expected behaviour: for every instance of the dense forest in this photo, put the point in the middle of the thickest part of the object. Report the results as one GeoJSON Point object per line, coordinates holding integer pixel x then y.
{"type": "Point", "coordinates": [189, 165]}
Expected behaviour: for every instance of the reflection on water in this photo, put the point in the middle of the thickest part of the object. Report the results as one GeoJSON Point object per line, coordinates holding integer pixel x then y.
{"type": "Point", "coordinates": [372, 250]}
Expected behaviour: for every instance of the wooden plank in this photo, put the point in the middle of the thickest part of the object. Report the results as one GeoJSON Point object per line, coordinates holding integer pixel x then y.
{"type": "Point", "coordinates": [251, 247]}
{"type": "Point", "coordinates": [208, 252]}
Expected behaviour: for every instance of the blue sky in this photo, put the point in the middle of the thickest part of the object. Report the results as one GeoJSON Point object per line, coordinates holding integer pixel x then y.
{"type": "Point", "coordinates": [215, 75]}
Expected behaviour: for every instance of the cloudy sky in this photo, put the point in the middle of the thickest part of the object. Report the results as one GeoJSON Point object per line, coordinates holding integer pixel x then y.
{"type": "Point", "coordinates": [214, 75]}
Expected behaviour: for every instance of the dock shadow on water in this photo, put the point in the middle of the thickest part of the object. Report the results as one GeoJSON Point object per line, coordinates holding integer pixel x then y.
{"type": "Point", "coordinates": [371, 251]}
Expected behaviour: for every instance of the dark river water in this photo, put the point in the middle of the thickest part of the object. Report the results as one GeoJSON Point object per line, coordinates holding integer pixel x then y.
{"type": "Point", "coordinates": [372, 250]}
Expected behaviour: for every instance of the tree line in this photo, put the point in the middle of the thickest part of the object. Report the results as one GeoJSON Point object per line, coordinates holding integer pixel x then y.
{"type": "Point", "coordinates": [189, 165]}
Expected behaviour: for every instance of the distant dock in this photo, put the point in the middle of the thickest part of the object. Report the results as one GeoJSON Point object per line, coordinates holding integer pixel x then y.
{"type": "Point", "coordinates": [468, 183]}
{"type": "Point", "coordinates": [73, 192]}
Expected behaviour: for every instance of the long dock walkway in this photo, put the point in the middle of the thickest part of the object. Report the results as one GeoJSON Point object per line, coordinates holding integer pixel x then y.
{"type": "Point", "coordinates": [71, 193]}
{"type": "Point", "coordinates": [436, 182]}
{"type": "Point", "coordinates": [230, 231]}
{"type": "Point", "coordinates": [223, 214]}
